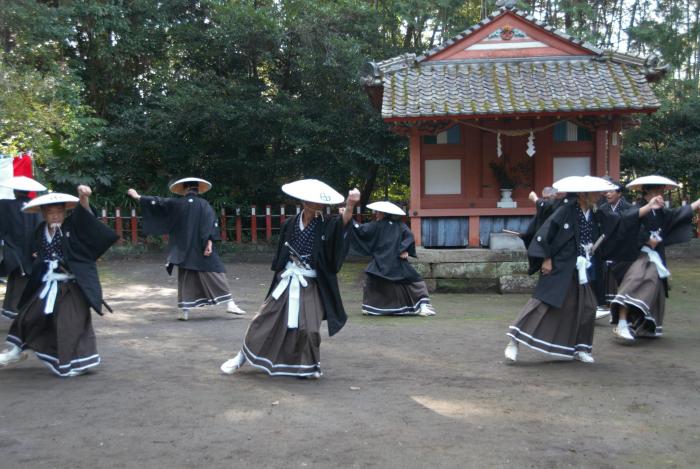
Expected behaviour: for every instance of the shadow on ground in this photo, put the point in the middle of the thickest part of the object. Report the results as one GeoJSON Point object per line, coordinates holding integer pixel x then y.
{"type": "Point", "coordinates": [397, 392]}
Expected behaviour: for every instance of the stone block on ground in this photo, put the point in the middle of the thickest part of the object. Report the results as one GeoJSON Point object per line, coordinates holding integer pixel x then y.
{"type": "Point", "coordinates": [505, 241]}
{"type": "Point", "coordinates": [517, 283]}
{"type": "Point", "coordinates": [478, 269]}
{"type": "Point", "coordinates": [423, 268]}
{"type": "Point", "coordinates": [436, 256]}
{"type": "Point", "coordinates": [466, 285]}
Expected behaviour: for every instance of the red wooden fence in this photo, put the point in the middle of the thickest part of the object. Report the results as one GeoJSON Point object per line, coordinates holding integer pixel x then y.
{"type": "Point", "coordinates": [236, 225]}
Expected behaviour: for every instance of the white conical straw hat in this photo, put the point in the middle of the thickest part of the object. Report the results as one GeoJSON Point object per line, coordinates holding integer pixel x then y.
{"type": "Point", "coordinates": [22, 183]}
{"type": "Point", "coordinates": [652, 181]}
{"type": "Point", "coordinates": [35, 205]}
{"type": "Point", "coordinates": [313, 190]}
{"type": "Point", "coordinates": [386, 207]}
{"type": "Point", "coordinates": [178, 187]}
{"type": "Point", "coordinates": [583, 184]}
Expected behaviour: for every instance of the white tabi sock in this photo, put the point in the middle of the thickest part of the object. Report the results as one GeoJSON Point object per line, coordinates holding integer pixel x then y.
{"type": "Point", "coordinates": [622, 323]}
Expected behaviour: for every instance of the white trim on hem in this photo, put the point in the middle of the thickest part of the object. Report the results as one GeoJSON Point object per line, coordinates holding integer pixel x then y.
{"type": "Point", "coordinates": [204, 301]}
{"type": "Point", "coordinates": [247, 350]}
{"type": "Point", "coordinates": [573, 349]}
{"type": "Point", "coordinates": [539, 349]}
{"type": "Point", "coordinates": [282, 373]}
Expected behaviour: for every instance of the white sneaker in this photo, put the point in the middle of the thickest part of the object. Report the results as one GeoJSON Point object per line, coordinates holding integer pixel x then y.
{"type": "Point", "coordinates": [233, 308]}
{"type": "Point", "coordinates": [511, 351]}
{"type": "Point", "coordinates": [584, 357]}
{"type": "Point", "coordinates": [12, 355]}
{"type": "Point", "coordinates": [229, 367]}
{"type": "Point", "coordinates": [602, 312]}
{"type": "Point", "coordinates": [623, 333]}
{"type": "Point", "coordinates": [426, 309]}
{"type": "Point", "coordinates": [184, 315]}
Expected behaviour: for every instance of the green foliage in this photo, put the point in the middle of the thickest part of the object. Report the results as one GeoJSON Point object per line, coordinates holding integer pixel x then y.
{"type": "Point", "coordinates": [667, 143]}
{"type": "Point", "coordinates": [253, 93]}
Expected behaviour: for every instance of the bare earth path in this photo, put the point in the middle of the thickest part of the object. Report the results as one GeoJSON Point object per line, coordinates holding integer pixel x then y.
{"type": "Point", "coordinates": [404, 392]}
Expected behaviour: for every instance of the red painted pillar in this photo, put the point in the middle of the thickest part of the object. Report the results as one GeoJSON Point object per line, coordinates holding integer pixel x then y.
{"type": "Point", "coordinates": [239, 226]}
{"type": "Point", "coordinates": [253, 225]}
{"type": "Point", "coordinates": [268, 223]}
{"type": "Point", "coordinates": [282, 216]}
{"type": "Point", "coordinates": [134, 227]}
{"type": "Point", "coordinates": [222, 225]}
{"type": "Point", "coordinates": [601, 151]}
{"type": "Point", "coordinates": [474, 241]}
{"type": "Point", "coordinates": [118, 224]}
{"type": "Point", "coordinates": [358, 213]}
{"type": "Point", "coordinates": [104, 216]}
{"type": "Point", "coordinates": [614, 144]}
{"type": "Point", "coordinates": [416, 184]}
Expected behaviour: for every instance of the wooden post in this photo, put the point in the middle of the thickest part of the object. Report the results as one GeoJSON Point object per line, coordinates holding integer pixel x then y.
{"type": "Point", "coordinates": [601, 150]}
{"type": "Point", "coordinates": [118, 224]}
{"type": "Point", "coordinates": [134, 227]}
{"type": "Point", "coordinates": [253, 225]}
{"type": "Point", "coordinates": [268, 223]}
{"type": "Point", "coordinates": [239, 226]}
{"type": "Point", "coordinates": [416, 185]}
{"type": "Point", "coordinates": [358, 214]}
{"type": "Point", "coordinates": [474, 235]}
{"type": "Point", "coordinates": [614, 150]}
{"type": "Point", "coordinates": [104, 216]}
{"type": "Point", "coordinates": [282, 217]}
{"type": "Point", "coordinates": [222, 225]}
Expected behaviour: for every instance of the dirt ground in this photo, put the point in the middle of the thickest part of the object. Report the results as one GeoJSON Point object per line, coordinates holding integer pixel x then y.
{"type": "Point", "coordinates": [397, 392]}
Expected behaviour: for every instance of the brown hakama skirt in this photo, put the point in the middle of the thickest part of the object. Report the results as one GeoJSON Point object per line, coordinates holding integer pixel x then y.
{"type": "Point", "coordinates": [644, 295]}
{"type": "Point", "coordinates": [558, 331]}
{"type": "Point", "coordinates": [614, 273]}
{"type": "Point", "coordinates": [381, 297]}
{"type": "Point", "coordinates": [274, 348]}
{"type": "Point", "coordinates": [63, 340]}
{"type": "Point", "coordinates": [13, 292]}
{"type": "Point", "coordinates": [196, 288]}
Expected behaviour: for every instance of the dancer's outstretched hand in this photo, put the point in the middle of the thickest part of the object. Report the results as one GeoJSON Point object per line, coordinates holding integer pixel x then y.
{"type": "Point", "coordinates": [353, 197]}
{"type": "Point", "coordinates": [133, 194]}
{"type": "Point", "coordinates": [84, 192]}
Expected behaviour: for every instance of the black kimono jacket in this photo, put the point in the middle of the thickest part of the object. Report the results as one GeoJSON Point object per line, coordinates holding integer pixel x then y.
{"type": "Point", "coordinates": [384, 240]}
{"type": "Point", "coordinates": [84, 239]}
{"type": "Point", "coordinates": [189, 222]}
{"type": "Point", "coordinates": [17, 231]}
{"type": "Point", "coordinates": [627, 250]}
{"type": "Point", "coordinates": [674, 225]}
{"type": "Point", "coordinates": [544, 208]}
{"type": "Point", "coordinates": [558, 238]}
{"type": "Point", "coordinates": [331, 246]}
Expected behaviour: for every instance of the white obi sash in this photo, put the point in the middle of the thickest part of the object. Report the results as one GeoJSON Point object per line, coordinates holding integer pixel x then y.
{"type": "Point", "coordinates": [50, 290]}
{"type": "Point", "coordinates": [294, 278]}
{"type": "Point", "coordinates": [655, 259]}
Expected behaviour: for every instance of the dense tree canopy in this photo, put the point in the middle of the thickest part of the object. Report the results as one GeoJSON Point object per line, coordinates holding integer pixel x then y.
{"type": "Point", "coordinates": [250, 93]}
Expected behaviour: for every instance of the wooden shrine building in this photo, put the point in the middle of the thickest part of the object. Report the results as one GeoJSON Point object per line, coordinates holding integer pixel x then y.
{"type": "Point", "coordinates": [514, 91]}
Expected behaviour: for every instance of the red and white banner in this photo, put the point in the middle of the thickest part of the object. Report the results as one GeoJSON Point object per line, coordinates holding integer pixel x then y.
{"type": "Point", "coordinates": [16, 166]}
